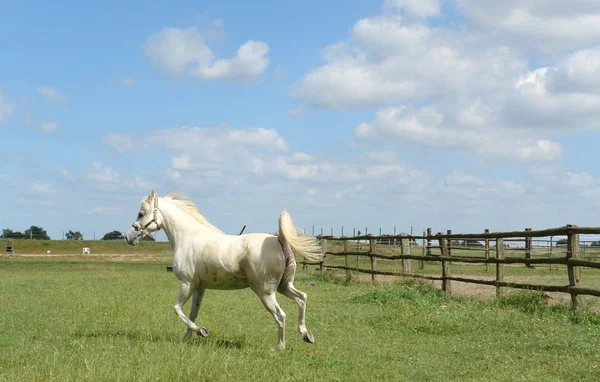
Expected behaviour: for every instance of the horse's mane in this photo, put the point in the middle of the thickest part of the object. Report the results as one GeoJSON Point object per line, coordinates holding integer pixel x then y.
{"type": "Point", "coordinates": [186, 205]}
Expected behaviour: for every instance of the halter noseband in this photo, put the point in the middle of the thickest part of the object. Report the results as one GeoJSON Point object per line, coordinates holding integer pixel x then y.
{"type": "Point", "coordinates": [143, 231]}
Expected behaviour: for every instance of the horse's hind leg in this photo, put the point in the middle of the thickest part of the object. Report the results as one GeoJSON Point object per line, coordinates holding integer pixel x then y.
{"type": "Point", "coordinates": [270, 303]}
{"type": "Point", "coordinates": [184, 294]}
{"type": "Point", "coordinates": [195, 308]}
{"type": "Point", "coordinates": [300, 298]}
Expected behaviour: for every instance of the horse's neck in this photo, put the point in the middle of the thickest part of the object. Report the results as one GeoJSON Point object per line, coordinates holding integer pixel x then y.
{"type": "Point", "coordinates": [178, 225]}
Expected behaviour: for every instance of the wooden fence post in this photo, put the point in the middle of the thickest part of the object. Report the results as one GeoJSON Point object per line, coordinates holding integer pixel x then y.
{"type": "Point", "coordinates": [499, 266]}
{"type": "Point", "coordinates": [487, 250]}
{"type": "Point", "coordinates": [422, 262]}
{"type": "Point", "coordinates": [405, 250]}
{"type": "Point", "coordinates": [574, 273]}
{"type": "Point", "coordinates": [373, 259]}
{"type": "Point", "coordinates": [528, 242]}
{"type": "Point", "coordinates": [428, 241]}
{"type": "Point", "coordinates": [348, 271]}
{"type": "Point", "coordinates": [550, 249]}
{"type": "Point", "coordinates": [446, 284]}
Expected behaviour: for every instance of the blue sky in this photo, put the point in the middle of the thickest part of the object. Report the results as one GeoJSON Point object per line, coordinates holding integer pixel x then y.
{"type": "Point", "coordinates": [458, 115]}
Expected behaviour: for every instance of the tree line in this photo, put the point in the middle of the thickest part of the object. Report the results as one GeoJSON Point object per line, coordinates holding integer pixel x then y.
{"type": "Point", "coordinates": [38, 233]}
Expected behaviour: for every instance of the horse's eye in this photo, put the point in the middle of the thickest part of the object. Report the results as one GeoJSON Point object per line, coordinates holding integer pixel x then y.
{"type": "Point", "coordinates": [140, 215]}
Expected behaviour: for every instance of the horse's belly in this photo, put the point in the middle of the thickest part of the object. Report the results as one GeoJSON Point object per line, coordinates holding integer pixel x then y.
{"type": "Point", "coordinates": [223, 280]}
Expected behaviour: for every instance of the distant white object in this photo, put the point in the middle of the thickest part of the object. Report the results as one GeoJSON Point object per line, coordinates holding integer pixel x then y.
{"type": "Point", "coordinates": [48, 252]}
{"type": "Point", "coordinates": [86, 250]}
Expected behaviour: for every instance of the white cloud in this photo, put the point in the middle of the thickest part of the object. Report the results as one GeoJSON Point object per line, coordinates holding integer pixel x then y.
{"type": "Point", "coordinates": [66, 175]}
{"type": "Point", "coordinates": [6, 108]}
{"type": "Point", "coordinates": [215, 140]}
{"type": "Point", "coordinates": [123, 143]}
{"type": "Point", "coordinates": [126, 81]}
{"type": "Point", "coordinates": [184, 51]}
{"type": "Point", "coordinates": [302, 157]}
{"type": "Point", "coordinates": [546, 26]}
{"type": "Point", "coordinates": [97, 172]}
{"type": "Point", "coordinates": [312, 192]}
{"type": "Point", "coordinates": [583, 179]}
{"type": "Point", "coordinates": [475, 90]}
{"type": "Point", "coordinates": [299, 112]}
{"type": "Point", "coordinates": [390, 60]}
{"type": "Point", "coordinates": [173, 49]}
{"type": "Point", "coordinates": [104, 210]}
{"type": "Point", "coordinates": [51, 94]}
{"type": "Point", "coordinates": [48, 126]}
{"type": "Point", "coordinates": [42, 189]}
{"type": "Point", "coordinates": [207, 153]}
{"type": "Point", "coordinates": [551, 98]}
{"type": "Point", "coordinates": [325, 171]}
{"type": "Point", "coordinates": [385, 156]}
{"type": "Point", "coordinates": [582, 69]}
{"type": "Point", "coordinates": [418, 8]}
{"type": "Point", "coordinates": [108, 179]}
{"type": "Point", "coordinates": [249, 63]}
{"type": "Point", "coordinates": [172, 174]}
{"type": "Point", "coordinates": [427, 126]}
{"type": "Point", "coordinates": [279, 74]}
{"type": "Point", "coordinates": [181, 162]}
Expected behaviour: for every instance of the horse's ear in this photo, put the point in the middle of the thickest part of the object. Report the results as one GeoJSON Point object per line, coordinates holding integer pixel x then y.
{"type": "Point", "coordinates": [151, 196]}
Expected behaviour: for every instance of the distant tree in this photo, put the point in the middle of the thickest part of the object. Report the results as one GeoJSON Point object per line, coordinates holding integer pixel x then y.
{"type": "Point", "coordinates": [37, 233]}
{"type": "Point", "coordinates": [10, 234]}
{"type": "Point", "coordinates": [472, 243]}
{"type": "Point", "coordinates": [74, 235]}
{"type": "Point", "coordinates": [114, 235]}
{"type": "Point", "coordinates": [147, 238]}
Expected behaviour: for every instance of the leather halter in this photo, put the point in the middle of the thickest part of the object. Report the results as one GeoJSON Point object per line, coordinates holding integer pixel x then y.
{"type": "Point", "coordinates": [143, 231]}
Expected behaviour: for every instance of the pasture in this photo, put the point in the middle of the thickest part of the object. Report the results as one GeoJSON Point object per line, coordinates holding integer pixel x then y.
{"type": "Point", "coordinates": [82, 318]}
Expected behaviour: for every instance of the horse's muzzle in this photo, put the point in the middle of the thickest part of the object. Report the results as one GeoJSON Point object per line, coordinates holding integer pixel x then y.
{"type": "Point", "coordinates": [132, 236]}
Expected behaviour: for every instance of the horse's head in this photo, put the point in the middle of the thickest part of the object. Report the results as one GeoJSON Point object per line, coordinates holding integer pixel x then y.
{"type": "Point", "coordinates": [148, 220]}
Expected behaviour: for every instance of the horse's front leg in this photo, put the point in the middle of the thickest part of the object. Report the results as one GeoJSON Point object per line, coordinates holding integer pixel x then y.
{"type": "Point", "coordinates": [196, 302]}
{"type": "Point", "coordinates": [185, 292]}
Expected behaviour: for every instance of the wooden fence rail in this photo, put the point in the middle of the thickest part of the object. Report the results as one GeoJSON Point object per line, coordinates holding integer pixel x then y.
{"type": "Point", "coordinates": [570, 259]}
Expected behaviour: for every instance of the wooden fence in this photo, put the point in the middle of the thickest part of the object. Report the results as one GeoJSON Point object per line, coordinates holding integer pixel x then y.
{"type": "Point", "coordinates": [494, 254]}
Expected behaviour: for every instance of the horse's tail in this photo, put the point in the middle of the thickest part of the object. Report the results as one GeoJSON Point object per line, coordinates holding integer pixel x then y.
{"type": "Point", "coordinates": [303, 245]}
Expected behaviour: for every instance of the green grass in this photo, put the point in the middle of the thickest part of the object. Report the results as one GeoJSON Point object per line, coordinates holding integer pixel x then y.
{"type": "Point", "coordinates": [81, 321]}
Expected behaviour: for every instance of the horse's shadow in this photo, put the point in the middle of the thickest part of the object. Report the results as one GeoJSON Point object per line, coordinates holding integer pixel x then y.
{"type": "Point", "coordinates": [217, 341]}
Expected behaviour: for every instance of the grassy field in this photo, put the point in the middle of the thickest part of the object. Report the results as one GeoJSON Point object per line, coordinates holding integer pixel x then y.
{"type": "Point", "coordinates": [518, 273]}
{"type": "Point", "coordinates": [74, 247]}
{"type": "Point", "coordinates": [69, 318]}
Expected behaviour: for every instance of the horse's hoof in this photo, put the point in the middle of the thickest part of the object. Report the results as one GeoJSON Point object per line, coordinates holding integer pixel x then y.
{"type": "Point", "coordinates": [202, 332]}
{"type": "Point", "coordinates": [308, 337]}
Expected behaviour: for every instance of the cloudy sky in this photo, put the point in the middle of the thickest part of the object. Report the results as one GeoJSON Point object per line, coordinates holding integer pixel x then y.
{"type": "Point", "coordinates": [450, 114]}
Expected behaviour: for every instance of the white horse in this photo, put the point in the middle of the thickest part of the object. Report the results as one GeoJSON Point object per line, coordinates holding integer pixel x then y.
{"type": "Point", "coordinates": [206, 258]}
